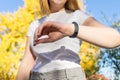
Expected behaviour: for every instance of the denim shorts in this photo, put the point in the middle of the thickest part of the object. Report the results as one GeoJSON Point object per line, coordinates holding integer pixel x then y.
{"type": "Point", "coordinates": [65, 74]}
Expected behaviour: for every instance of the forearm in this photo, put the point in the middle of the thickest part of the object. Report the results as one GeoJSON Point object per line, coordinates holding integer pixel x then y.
{"type": "Point", "coordinates": [103, 37]}
{"type": "Point", "coordinates": [24, 69]}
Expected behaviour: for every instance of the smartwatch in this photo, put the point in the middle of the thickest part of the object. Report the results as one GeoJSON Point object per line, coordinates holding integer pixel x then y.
{"type": "Point", "coordinates": [75, 30]}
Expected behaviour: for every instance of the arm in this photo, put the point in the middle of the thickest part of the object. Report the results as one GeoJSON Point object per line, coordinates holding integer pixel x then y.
{"type": "Point", "coordinates": [26, 64]}
{"type": "Point", "coordinates": [100, 35]}
{"type": "Point", "coordinates": [97, 34]}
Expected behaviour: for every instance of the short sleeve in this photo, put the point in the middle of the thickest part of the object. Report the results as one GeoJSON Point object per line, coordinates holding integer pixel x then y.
{"type": "Point", "coordinates": [32, 28]}
{"type": "Point", "coordinates": [81, 16]}
{"type": "Point", "coordinates": [34, 25]}
{"type": "Point", "coordinates": [29, 33]}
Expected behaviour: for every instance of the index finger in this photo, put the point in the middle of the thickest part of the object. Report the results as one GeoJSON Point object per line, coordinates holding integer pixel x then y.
{"type": "Point", "coordinates": [38, 32]}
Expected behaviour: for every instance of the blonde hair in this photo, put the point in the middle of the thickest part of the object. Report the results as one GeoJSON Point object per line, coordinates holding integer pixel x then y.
{"type": "Point", "coordinates": [70, 5]}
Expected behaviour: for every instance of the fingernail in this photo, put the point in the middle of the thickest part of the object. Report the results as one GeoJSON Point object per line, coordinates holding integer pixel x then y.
{"type": "Point", "coordinates": [34, 43]}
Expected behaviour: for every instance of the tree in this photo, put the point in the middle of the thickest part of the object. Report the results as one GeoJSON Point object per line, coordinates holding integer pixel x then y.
{"type": "Point", "coordinates": [111, 58]}
{"type": "Point", "coordinates": [13, 30]}
{"type": "Point", "coordinates": [89, 57]}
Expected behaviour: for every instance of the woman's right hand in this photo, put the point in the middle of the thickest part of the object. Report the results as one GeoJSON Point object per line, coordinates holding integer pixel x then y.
{"type": "Point", "coordinates": [54, 30]}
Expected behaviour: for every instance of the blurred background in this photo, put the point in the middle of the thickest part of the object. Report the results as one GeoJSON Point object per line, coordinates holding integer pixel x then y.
{"type": "Point", "coordinates": [15, 17]}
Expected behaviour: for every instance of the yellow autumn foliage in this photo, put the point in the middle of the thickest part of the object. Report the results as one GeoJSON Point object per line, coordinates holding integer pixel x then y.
{"type": "Point", "coordinates": [13, 30]}
{"type": "Point", "coordinates": [89, 55]}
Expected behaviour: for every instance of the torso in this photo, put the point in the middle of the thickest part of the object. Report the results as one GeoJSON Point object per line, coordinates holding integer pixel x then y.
{"type": "Point", "coordinates": [61, 54]}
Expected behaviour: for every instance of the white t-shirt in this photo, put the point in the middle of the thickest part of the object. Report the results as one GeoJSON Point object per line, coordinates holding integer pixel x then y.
{"type": "Point", "coordinates": [61, 54]}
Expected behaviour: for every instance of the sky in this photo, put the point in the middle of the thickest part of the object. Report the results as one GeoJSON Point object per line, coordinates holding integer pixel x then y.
{"type": "Point", "coordinates": [110, 8]}
{"type": "Point", "coordinates": [10, 5]}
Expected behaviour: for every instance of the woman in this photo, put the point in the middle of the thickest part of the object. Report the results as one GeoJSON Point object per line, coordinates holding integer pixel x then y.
{"type": "Point", "coordinates": [59, 60]}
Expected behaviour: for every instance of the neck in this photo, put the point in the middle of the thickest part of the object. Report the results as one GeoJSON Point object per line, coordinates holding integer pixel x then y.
{"type": "Point", "coordinates": [56, 9]}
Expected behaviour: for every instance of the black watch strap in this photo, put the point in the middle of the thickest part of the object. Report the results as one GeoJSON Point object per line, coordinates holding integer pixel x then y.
{"type": "Point", "coordinates": [76, 30]}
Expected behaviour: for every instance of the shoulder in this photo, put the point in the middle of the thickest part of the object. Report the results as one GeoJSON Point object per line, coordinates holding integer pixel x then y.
{"type": "Point", "coordinates": [34, 24]}
{"type": "Point", "coordinates": [81, 16]}
{"type": "Point", "coordinates": [79, 12]}
{"type": "Point", "coordinates": [37, 22]}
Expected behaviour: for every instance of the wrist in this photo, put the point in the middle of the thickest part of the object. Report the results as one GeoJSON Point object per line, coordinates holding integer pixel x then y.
{"type": "Point", "coordinates": [69, 29]}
